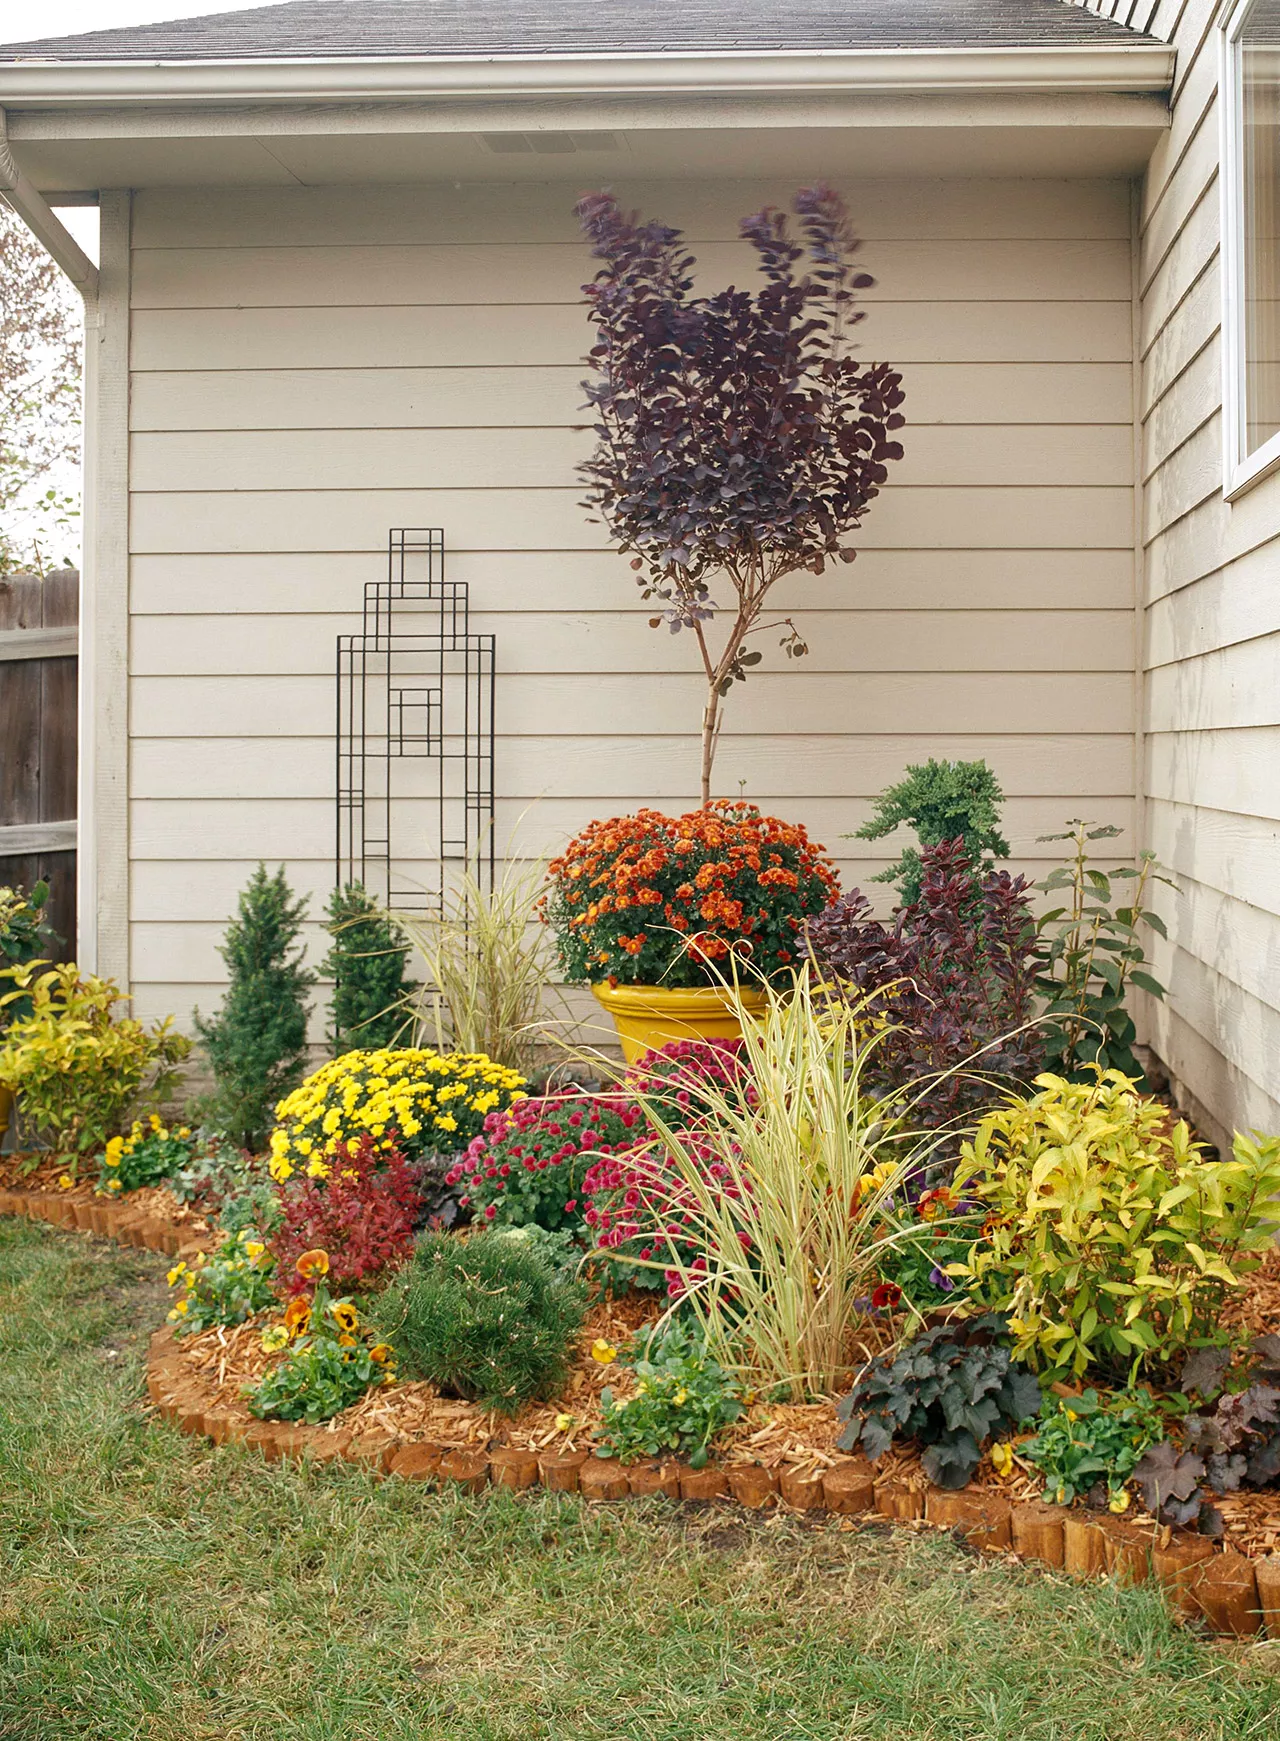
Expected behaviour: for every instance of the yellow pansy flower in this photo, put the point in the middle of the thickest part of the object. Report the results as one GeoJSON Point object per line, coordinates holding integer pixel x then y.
{"type": "Point", "coordinates": [274, 1339]}
{"type": "Point", "coordinates": [603, 1351]}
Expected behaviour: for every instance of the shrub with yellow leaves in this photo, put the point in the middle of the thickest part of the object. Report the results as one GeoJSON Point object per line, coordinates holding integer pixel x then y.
{"type": "Point", "coordinates": [77, 1067]}
{"type": "Point", "coordinates": [1109, 1239]}
{"type": "Point", "coordinates": [419, 1102]}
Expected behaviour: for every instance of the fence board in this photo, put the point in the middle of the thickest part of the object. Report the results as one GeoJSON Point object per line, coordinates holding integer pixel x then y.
{"type": "Point", "coordinates": [38, 727]}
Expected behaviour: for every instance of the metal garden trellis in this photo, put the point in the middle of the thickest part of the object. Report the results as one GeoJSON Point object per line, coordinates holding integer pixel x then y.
{"type": "Point", "coordinates": [415, 733]}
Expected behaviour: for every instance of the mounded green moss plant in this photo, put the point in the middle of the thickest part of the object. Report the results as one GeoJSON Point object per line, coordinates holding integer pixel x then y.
{"type": "Point", "coordinates": [485, 1318]}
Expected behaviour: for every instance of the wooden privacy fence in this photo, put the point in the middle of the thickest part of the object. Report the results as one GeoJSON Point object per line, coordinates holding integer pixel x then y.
{"type": "Point", "coordinates": [38, 676]}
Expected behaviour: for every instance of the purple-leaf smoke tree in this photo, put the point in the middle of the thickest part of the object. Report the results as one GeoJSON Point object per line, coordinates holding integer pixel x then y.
{"type": "Point", "coordinates": [737, 439]}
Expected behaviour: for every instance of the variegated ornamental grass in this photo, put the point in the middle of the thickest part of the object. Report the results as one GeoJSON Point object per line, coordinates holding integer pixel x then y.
{"type": "Point", "coordinates": [783, 1197]}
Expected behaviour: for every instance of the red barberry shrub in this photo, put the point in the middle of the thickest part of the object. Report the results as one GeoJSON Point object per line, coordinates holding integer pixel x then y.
{"type": "Point", "coordinates": [363, 1214]}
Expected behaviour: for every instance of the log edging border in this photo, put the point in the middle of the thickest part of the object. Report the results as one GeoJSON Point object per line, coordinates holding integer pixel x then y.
{"type": "Point", "coordinates": [1228, 1592]}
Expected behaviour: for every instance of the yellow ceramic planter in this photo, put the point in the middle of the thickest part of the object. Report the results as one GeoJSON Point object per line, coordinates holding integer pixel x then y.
{"type": "Point", "coordinates": [647, 1016]}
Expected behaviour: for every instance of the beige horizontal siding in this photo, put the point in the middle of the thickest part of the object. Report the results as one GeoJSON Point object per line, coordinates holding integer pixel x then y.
{"type": "Point", "coordinates": [621, 643]}
{"type": "Point", "coordinates": [314, 366]}
{"type": "Point", "coordinates": [487, 334]}
{"type": "Point", "coordinates": [923, 518]}
{"type": "Point", "coordinates": [433, 274]}
{"type": "Point", "coordinates": [539, 396]}
{"type": "Point", "coordinates": [538, 213]}
{"type": "Point", "coordinates": [566, 580]}
{"type": "Point", "coordinates": [951, 456]}
{"type": "Point", "coordinates": [1211, 636]}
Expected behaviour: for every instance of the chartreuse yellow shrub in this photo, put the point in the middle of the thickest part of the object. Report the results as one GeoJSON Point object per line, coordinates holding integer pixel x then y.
{"type": "Point", "coordinates": [425, 1102]}
{"type": "Point", "coordinates": [76, 1067]}
{"type": "Point", "coordinates": [1110, 1241]}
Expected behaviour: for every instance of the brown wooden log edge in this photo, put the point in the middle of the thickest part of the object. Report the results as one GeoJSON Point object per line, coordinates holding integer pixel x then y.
{"type": "Point", "coordinates": [106, 1220]}
{"type": "Point", "coordinates": [1227, 1592]}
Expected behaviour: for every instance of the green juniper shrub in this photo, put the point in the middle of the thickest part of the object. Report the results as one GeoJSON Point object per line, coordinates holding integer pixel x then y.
{"type": "Point", "coordinates": [682, 1399]}
{"type": "Point", "coordinates": [1089, 1442]}
{"type": "Point", "coordinates": [484, 1317]}
{"type": "Point", "coordinates": [1090, 954]}
{"type": "Point", "coordinates": [366, 962]}
{"type": "Point", "coordinates": [257, 1043]}
{"type": "Point", "coordinates": [949, 1390]}
{"type": "Point", "coordinates": [941, 801]}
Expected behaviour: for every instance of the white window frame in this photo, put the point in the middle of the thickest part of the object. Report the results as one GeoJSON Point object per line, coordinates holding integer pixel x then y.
{"type": "Point", "coordinates": [1239, 470]}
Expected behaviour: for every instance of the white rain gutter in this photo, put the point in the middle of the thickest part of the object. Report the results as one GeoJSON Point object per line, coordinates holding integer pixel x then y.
{"type": "Point", "coordinates": [1139, 67]}
{"type": "Point", "coordinates": [45, 225]}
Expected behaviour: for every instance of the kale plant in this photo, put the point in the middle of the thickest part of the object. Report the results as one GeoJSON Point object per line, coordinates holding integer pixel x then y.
{"type": "Point", "coordinates": [950, 1390]}
{"type": "Point", "coordinates": [952, 975]}
{"type": "Point", "coordinates": [941, 801]}
{"type": "Point", "coordinates": [737, 439]}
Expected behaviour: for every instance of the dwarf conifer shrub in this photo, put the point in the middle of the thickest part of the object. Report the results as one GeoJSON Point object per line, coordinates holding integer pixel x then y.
{"type": "Point", "coordinates": [939, 801]}
{"type": "Point", "coordinates": [484, 1318]}
{"type": "Point", "coordinates": [366, 961]}
{"type": "Point", "coordinates": [257, 1043]}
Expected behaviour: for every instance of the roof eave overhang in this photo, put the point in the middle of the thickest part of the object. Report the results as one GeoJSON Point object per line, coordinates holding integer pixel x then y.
{"type": "Point", "coordinates": [1138, 68]}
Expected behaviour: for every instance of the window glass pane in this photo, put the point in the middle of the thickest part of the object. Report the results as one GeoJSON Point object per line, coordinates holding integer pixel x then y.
{"type": "Point", "coordinates": [1260, 117]}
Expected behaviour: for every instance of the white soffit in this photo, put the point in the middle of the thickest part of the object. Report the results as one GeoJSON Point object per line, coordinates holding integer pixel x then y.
{"type": "Point", "coordinates": [1026, 112]}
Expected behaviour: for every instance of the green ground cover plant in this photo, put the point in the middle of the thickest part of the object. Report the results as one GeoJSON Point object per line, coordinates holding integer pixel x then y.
{"type": "Point", "coordinates": [156, 1587]}
{"type": "Point", "coordinates": [1089, 1441]}
{"type": "Point", "coordinates": [683, 1397]}
{"type": "Point", "coordinates": [226, 1286]}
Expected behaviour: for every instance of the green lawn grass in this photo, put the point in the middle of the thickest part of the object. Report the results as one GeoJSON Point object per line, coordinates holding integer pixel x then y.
{"type": "Point", "coordinates": [153, 1587]}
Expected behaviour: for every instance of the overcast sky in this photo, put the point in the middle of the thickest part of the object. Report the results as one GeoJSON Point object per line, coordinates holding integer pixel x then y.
{"type": "Point", "coordinates": [23, 20]}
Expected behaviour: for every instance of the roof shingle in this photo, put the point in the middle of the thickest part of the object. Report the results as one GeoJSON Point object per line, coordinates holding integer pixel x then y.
{"type": "Point", "coordinates": [322, 29]}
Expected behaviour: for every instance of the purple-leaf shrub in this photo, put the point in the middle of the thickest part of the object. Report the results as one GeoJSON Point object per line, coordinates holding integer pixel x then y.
{"type": "Point", "coordinates": [735, 435]}
{"type": "Point", "coordinates": [954, 976]}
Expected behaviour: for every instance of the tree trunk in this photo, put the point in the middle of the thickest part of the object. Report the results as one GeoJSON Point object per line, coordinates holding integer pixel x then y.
{"type": "Point", "coordinates": [710, 723]}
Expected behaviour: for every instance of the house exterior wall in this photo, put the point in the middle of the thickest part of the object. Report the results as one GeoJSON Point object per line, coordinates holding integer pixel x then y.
{"type": "Point", "coordinates": [311, 367]}
{"type": "Point", "coordinates": [1212, 627]}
